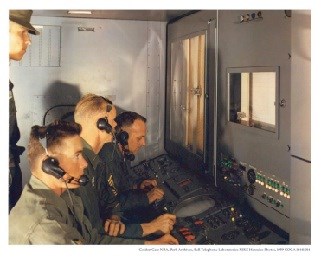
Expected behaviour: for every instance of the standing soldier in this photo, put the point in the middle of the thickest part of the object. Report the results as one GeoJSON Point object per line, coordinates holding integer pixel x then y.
{"type": "Point", "coordinates": [19, 30]}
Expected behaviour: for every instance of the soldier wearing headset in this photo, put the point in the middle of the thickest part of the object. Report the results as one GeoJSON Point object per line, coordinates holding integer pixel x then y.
{"type": "Point", "coordinates": [48, 212]}
{"type": "Point", "coordinates": [135, 195]}
{"type": "Point", "coordinates": [96, 116]}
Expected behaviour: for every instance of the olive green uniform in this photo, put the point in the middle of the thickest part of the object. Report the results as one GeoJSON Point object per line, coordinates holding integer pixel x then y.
{"type": "Point", "coordinates": [42, 217]}
{"type": "Point", "coordinates": [90, 193]}
{"type": "Point", "coordinates": [120, 176]}
{"type": "Point", "coordinates": [133, 202]}
{"type": "Point", "coordinates": [98, 194]}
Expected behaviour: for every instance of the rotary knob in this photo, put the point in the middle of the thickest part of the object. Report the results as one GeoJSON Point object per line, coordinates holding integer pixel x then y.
{"type": "Point", "coordinates": [251, 176]}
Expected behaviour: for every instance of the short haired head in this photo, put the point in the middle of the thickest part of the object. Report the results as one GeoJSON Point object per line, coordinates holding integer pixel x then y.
{"type": "Point", "coordinates": [22, 17]}
{"type": "Point", "coordinates": [54, 134]}
{"type": "Point", "coordinates": [127, 118]}
{"type": "Point", "coordinates": [90, 106]}
{"type": "Point", "coordinates": [134, 125]}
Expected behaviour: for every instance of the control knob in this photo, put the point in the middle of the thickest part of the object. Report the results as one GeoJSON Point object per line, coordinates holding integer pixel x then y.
{"type": "Point", "coordinates": [251, 176]}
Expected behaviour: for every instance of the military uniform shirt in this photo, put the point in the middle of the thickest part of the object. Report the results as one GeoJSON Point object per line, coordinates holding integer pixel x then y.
{"type": "Point", "coordinates": [97, 196]}
{"type": "Point", "coordinates": [123, 178]}
{"type": "Point", "coordinates": [42, 217]}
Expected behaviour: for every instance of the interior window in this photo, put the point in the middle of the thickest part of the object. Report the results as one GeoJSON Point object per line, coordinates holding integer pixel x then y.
{"type": "Point", "coordinates": [252, 98]}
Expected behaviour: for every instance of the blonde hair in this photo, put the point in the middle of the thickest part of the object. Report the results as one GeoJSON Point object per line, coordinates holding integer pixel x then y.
{"type": "Point", "coordinates": [90, 106]}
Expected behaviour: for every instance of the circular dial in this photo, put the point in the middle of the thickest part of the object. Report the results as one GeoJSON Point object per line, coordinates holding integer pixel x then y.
{"type": "Point", "coordinates": [251, 189]}
{"type": "Point", "coordinates": [251, 176]}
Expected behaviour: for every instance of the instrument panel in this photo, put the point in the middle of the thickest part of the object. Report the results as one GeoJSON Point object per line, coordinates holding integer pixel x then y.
{"type": "Point", "coordinates": [206, 214]}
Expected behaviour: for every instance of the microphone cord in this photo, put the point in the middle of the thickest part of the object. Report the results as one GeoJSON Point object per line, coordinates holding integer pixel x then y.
{"type": "Point", "coordinates": [72, 210]}
{"type": "Point", "coordinates": [71, 200]}
{"type": "Point", "coordinates": [62, 105]}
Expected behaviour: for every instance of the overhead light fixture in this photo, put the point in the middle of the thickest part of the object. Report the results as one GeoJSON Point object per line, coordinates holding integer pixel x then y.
{"type": "Point", "coordinates": [38, 27]}
{"type": "Point", "coordinates": [79, 12]}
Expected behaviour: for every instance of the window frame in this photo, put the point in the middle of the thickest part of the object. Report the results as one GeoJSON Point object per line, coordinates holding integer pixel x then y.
{"type": "Point", "coordinates": [256, 69]}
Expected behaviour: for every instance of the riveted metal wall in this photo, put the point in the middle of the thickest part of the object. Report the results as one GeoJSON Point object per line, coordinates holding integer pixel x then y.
{"type": "Point", "coordinates": [122, 60]}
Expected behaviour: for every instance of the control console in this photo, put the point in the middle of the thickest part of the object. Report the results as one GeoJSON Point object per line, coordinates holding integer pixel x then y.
{"type": "Point", "coordinates": [263, 190]}
{"type": "Point", "coordinates": [207, 214]}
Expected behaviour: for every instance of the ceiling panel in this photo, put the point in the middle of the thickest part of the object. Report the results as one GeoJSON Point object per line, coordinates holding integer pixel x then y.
{"type": "Point", "coordinates": [141, 15]}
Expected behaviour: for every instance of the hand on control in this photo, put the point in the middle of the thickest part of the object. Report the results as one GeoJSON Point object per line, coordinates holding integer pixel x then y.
{"type": "Point", "coordinates": [155, 194]}
{"type": "Point", "coordinates": [148, 183]}
{"type": "Point", "coordinates": [162, 225]}
{"type": "Point", "coordinates": [114, 227]}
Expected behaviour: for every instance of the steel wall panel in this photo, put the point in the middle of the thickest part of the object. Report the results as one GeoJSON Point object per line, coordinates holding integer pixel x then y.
{"type": "Point", "coordinates": [112, 61]}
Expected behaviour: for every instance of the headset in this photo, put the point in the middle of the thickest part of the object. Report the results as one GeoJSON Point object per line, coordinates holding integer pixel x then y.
{"type": "Point", "coordinates": [122, 138]}
{"type": "Point", "coordinates": [51, 166]}
{"type": "Point", "coordinates": [103, 124]}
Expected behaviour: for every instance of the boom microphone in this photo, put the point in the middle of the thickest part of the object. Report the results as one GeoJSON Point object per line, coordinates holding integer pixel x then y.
{"type": "Point", "coordinates": [82, 180]}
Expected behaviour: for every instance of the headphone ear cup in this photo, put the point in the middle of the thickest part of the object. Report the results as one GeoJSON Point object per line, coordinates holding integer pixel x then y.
{"type": "Point", "coordinates": [51, 166]}
{"type": "Point", "coordinates": [102, 124]}
{"type": "Point", "coordinates": [122, 137]}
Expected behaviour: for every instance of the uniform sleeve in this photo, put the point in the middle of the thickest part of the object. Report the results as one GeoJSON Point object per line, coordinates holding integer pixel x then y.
{"type": "Point", "coordinates": [103, 239]}
{"type": "Point", "coordinates": [131, 199]}
{"type": "Point", "coordinates": [133, 231]}
{"type": "Point", "coordinates": [53, 232]}
{"type": "Point", "coordinates": [108, 240]}
{"type": "Point", "coordinates": [108, 201]}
